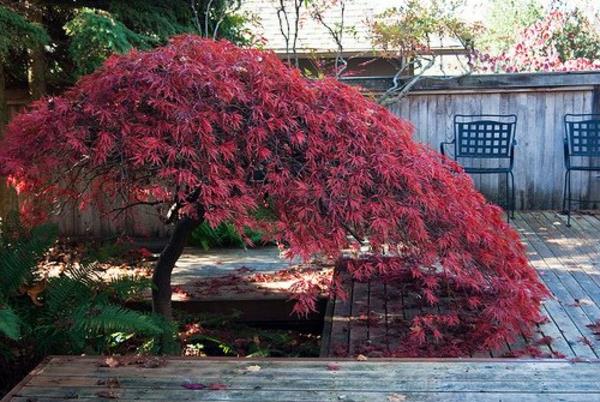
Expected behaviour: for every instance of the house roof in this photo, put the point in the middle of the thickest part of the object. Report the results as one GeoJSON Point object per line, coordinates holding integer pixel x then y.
{"type": "Point", "coordinates": [313, 36]}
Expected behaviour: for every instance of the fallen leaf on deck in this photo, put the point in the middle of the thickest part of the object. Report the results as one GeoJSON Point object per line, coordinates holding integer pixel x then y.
{"type": "Point", "coordinates": [153, 362]}
{"type": "Point", "coordinates": [107, 394]}
{"type": "Point", "coordinates": [396, 398]}
{"type": "Point", "coordinates": [579, 360]}
{"type": "Point", "coordinates": [110, 382]}
{"type": "Point", "coordinates": [111, 362]}
{"type": "Point", "coordinates": [361, 358]}
{"type": "Point", "coordinates": [217, 386]}
{"type": "Point", "coordinates": [193, 385]}
{"type": "Point", "coordinates": [254, 368]}
{"type": "Point", "coordinates": [585, 340]}
{"type": "Point", "coordinates": [333, 366]}
{"type": "Point", "coordinates": [581, 302]}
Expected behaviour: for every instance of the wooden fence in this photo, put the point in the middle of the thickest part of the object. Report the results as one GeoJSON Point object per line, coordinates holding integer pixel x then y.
{"type": "Point", "coordinates": [539, 166]}
{"type": "Point", "coordinates": [539, 100]}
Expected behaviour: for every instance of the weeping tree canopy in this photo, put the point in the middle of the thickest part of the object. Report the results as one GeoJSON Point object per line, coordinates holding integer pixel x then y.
{"type": "Point", "coordinates": [206, 130]}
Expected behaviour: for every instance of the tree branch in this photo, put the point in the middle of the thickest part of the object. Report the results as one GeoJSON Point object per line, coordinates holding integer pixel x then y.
{"type": "Point", "coordinates": [399, 90]}
{"type": "Point", "coordinates": [281, 11]}
{"type": "Point", "coordinates": [207, 17]}
{"type": "Point", "coordinates": [337, 36]}
{"type": "Point", "coordinates": [196, 16]}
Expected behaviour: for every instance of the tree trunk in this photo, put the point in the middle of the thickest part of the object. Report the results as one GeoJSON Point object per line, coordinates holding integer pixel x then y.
{"type": "Point", "coordinates": [3, 102]}
{"type": "Point", "coordinates": [4, 190]}
{"type": "Point", "coordinates": [161, 279]}
{"type": "Point", "coordinates": [37, 67]}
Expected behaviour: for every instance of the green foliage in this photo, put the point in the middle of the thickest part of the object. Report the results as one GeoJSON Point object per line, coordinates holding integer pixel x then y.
{"type": "Point", "coordinates": [75, 312]}
{"type": "Point", "coordinates": [95, 35]}
{"type": "Point", "coordinates": [224, 335]}
{"type": "Point", "coordinates": [156, 19]}
{"type": "Point", "coordinates": [9, 323]}
{"type": "Point", "coordinates": [79, 38]}
{"type": "Point", "coordinates": [506, 21]}
{"type": "Point", "coordinates": [18, 34]}
{"type": "Point", "coordinates": [18, 258]}
{"type": "Point", "coordinates": [409, 29]}
{"type": "Point", "coordinates": [578, 38]}
{"type": "Point", "coordinates": [106, 251]}
{"type": "Point", "coordinates": [224, 235]}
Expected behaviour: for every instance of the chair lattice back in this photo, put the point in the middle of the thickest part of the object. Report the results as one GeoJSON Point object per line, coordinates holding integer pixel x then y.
{"type": "Point", "coordinates": [484, 136]}
{"type": "Point", "coordinates": [583, 134]}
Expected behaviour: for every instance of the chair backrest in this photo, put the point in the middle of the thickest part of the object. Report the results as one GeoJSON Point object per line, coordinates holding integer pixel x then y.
{"type": "Point", "coordinates": [582, 132]}
{"type": "Point", "coordinates": [484, 135]}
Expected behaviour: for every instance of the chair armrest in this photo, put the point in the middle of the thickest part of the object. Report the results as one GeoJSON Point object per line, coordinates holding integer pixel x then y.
{"type": "Point", "coordinates": [442, 150]}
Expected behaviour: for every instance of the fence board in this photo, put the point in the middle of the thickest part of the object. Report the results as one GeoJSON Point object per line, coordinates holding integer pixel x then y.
{"type": "Point", "coordinates": [539, 168]}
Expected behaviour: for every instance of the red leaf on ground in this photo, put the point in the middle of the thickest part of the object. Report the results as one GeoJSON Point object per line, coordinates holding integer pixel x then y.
{"type": "Point", "coordinates": [193, 386]}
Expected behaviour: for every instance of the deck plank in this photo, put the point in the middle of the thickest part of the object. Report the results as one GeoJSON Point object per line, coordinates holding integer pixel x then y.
{"type": "Point", "coordinates": [82, 378]}
{"type": "Point", "coordinates": [339, 330]}
{"type": "Point", "coordinates": [567, 261]}
{"type": "Point", "coordinates": [359, 322]}
{"type": "Point", "coordinates": [571, 275]}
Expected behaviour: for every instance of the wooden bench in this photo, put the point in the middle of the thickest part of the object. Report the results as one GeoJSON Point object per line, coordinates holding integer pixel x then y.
{"type": "Point", "coordinates": [262, 380]}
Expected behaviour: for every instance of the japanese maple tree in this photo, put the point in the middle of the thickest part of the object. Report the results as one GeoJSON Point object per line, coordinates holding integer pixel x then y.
{"type": "Point", "coordinates": [206, 130]}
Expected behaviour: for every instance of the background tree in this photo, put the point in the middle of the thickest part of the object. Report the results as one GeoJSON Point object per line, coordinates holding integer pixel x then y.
{"type": "Point", "coordinates": [506, 19]}
{"type": "Point", "coordinates": [407, 33]}
{"type": "Point", "coordinates": [83, 33]}
{"type": "Point", "coordinates": [207, 130]}
{"type": "Point", "coordinates": [19, 36]}
{"type": "Point", "coordinates": [563, 40]}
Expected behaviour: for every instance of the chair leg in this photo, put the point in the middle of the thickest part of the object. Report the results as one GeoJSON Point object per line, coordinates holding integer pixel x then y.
{"type": "Point", "coordinates": [507, 204]}
{"type": "Point", "coordinates": [569, 196]}
{"type": "Point", "coordinates": [513, 200]}
{"type": "Point", "coordinates": [564, 203]}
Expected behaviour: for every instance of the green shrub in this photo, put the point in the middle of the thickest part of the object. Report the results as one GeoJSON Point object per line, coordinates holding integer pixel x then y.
{"type": "Point", "coordinates": [224, 235]}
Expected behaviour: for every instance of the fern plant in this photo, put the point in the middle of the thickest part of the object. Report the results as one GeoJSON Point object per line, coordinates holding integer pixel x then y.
{"type": "Point", "coordinates": [75, 312]}
{"type": "Point", "coordinates": [224, 235]}
{"type": "Point", "coordinates": [18, 258]}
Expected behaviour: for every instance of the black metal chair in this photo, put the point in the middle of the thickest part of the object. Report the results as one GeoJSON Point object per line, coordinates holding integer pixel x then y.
{"type": "Point", "coordinates": [487, 136]}
{"type": "Point", "coordinates": [582, 139]}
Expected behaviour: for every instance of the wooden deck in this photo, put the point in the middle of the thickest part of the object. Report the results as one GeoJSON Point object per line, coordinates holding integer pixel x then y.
{"type": "Point", "coordinates": [83, 379]}
{"type": "Point", "coordinates": [567, 260]}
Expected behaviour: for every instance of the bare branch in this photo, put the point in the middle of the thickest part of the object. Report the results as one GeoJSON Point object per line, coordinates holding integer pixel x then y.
{"type": "Point", "coordinates": [122, 209]}
{"type": "Point", "coordinates": [207, 17]}
{"type": "Point", "coordinates": [285, 29]}
{"type": "Point", "coordinates": [283, 17]}
{"type": "Point", "coordinates": [224, 15]}
{"type": "Point", "coordinates": [399, 90]}
{"type": "Point", "coordinates": [337, 36]}
{"type": "Point", "coordinates": [297, 6]}
{"type": "Point", "coordinates": [196, 16]}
